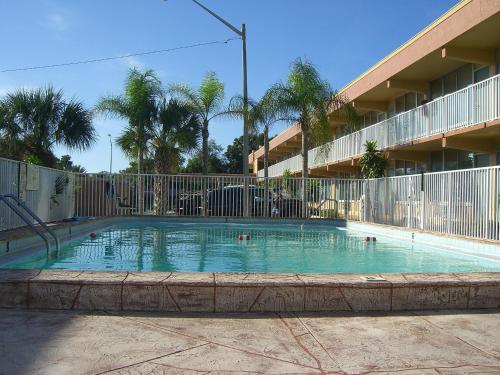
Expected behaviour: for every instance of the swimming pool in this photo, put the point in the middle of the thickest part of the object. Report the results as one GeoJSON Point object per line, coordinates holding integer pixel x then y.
{"type": "Point", "coordinates": [216, 247]}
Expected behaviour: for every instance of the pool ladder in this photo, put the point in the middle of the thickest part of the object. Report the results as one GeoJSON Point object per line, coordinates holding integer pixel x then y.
{"type": "Point", "coordinates": [24, 212]}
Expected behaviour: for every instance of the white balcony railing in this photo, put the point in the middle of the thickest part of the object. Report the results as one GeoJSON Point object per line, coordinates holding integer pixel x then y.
{"type": "Point", "coordinates": [470, 106]}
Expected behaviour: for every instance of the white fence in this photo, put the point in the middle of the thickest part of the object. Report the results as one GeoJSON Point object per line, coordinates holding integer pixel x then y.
{"type": "Point", "coordinates": [37, 187]}
{"type": "Point", "coordinates": [215, 196]}
{"type": "Point", "coordinates": [472, 105]}
{"type": "Point", "coordinates": [463, 202]}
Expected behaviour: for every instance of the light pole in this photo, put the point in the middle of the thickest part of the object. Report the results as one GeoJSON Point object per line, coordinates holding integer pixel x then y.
{"type": "Point", "coordinates": [241, 33]}
{"type": "Point", "coordinates": [110, 154]}
{"type": "Point", "coordinates": [110, 210]}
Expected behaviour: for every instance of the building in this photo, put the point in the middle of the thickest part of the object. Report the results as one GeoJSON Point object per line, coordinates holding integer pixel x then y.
{"type": "Point", "coordinates": [432, 105]}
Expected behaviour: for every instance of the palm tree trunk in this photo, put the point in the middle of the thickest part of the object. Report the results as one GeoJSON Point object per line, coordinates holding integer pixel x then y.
{"type": "Point", "coordinates": [140, 187]}
{"type": "Point", "coordinates": [161, 182]}
{"type": "Point", "coordinates": [204, 135]}
{"type": "Point", "coordinates": [305, 169]}
{"type": "Point", "coordinates": [266, 171]}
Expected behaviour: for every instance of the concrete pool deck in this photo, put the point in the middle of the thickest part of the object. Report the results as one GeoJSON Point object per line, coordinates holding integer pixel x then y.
{"type": "Point", "coordinates": [246, 292]}
{"type": "Point", "coordinates": [411, 343]}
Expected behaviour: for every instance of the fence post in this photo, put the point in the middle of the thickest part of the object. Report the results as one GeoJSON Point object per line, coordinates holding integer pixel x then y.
{"type": "Point", "coordinates": [448, 205]}
{"type": "Point", "coordinates": [422, 201]}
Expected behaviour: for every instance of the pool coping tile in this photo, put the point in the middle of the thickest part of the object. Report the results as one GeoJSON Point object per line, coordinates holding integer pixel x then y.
{"type": "Point", "coordinates": [13, 276]}
{"type": "Point", "coordinates": [245, 292]}
{"type": "Point", "coordinates": [354, 280]}
{"type": "Point", "coordinates": [146, 278]}
{"type": "Point", "coordinates": [203, 279]}
{"type": "Point", "coordinates": [102, 277]}
{"type": "Point", "coordinates": [251, 279]}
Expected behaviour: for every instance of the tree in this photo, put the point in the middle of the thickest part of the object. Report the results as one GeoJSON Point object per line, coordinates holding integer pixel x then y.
{"type": "Point", "coordinates": [147, 167]}
{"type": "Point", "coordinates": [206, 103]}
{"type": "Point", "coordinates": [262, 115]}
{"type": "Point", "coordinates": [307, 99]}
{"type": "Point", "coordinates": [234, 152]}
{"type": "Point", "coordinates": [174, 134]}
{"type": "Point", "coordinates": [373, 161]}
{"type": "Point", "coordinates": [32, 122]}
{"type": "Point", "coordinates": [216, 162]}
{"type": "Point", "coordinates": [66, 164]}
{"type": "Point", "coordinates": [139, 105]}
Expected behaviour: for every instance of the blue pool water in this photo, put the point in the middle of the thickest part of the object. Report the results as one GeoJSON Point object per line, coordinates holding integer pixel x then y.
{"type": "Point", "coordinates": [214, 247]}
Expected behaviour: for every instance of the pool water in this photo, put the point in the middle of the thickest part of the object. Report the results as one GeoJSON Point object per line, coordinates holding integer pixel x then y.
{"type": "Point", "coordinates": [210, 247]}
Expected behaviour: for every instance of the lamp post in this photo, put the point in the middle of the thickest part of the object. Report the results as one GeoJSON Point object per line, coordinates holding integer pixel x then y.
{"type": "Point", "coordinates": [110, 210]}
{"type": "Point", "coordinates": [243, 35]}
{"type": "Point", "coordinates": [110, 154]}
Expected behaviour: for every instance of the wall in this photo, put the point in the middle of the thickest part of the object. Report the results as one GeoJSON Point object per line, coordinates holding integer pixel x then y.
{"type": "Point", "coordinates": [37, 187]}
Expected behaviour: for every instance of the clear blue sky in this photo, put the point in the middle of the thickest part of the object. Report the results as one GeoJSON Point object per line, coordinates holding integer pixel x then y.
{"type": "Point", "coordinates": [342, 38]}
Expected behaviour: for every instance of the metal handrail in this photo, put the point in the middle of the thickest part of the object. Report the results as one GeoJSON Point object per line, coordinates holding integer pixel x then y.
{"type": "Point", "coordinates": [28, 210]}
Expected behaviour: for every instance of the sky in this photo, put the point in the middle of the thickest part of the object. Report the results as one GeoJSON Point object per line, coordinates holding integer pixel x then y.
{"type": "Point", "coordinates": [341, 38]}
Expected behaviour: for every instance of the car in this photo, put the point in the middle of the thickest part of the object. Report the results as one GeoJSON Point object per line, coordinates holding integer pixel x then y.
{"type": "Point", "coordinates": [190, 204]}
{"type": "Point", "coordinates": [228, 201]}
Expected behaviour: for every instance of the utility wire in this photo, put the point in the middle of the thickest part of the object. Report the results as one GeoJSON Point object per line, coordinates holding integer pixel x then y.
{"type": "Point", "coordinates": [80, 62]}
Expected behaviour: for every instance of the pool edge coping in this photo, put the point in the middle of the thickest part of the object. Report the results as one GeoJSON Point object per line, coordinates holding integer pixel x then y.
{"type": "Point", "coordinates": [246, 292]}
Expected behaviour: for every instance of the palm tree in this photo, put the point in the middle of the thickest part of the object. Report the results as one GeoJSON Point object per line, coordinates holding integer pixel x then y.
{"type": "Point", "coordinates": [175, 133]}
{"type": "Point", "coordinates": [139, 105]}
{"type": "Point", "coordinates": [32, 122]}
{"type": "Point", "coordinates": [307, 100]}
{"type": "Point", "coordinates": [206, 102]}
{"type": "Point", "coordinates": [262, 115]}
{"type": "Point", "coordinates": [373, 161]}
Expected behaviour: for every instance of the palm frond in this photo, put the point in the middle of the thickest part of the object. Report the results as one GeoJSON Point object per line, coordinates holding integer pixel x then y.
{"type": "Point", "coordinates": [75, 129]}
{"type": "Point", "coordinates": [211, 93]}
{"type": "Point", "coordinates": [187, 95]}
{"type": "Point", "coordinates": [113, 106]}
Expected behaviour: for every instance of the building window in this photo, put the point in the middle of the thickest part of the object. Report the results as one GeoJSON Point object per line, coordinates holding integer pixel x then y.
{"type": "Point", "coordinates": [465, 160]}
{"type": "Point", "coordinates": [400, 104]}
{"type": "Point", "coordinates": [481, 74]}
{"type": "Point", "coordinates": [450, 160]}
{"type": "Point", "coordinates": [410, 101]}
{"type": "Point", "coordinates": [436, 161]}
{"type": "Point", "coordinates": [436, 89]}
{"type": "Point", "coordinates": [481, 160]}
{"type": "Point", "coordinates": [464, 76]}
{"type": "Point", "coordinates": [453, 81]}
{"type": "Point", "coordinates": [450, 83]}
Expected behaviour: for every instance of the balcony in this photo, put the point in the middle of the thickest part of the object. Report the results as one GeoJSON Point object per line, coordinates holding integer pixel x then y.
{"type": "Point", "coordinates": [472, 105]}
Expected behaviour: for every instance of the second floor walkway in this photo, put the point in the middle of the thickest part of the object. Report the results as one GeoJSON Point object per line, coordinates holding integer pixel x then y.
{"type": "Point", "coordinates": [476, 104]}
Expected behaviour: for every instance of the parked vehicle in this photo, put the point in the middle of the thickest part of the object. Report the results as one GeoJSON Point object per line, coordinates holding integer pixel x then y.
{"type": "Point", "coordinates": [190, 204]}
{"type": "Point", "coordinates": [228, 201]}
{"type": "Point", "coordinates": [287, 207]}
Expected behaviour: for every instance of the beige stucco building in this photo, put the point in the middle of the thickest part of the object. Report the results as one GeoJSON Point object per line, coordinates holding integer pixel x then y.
{"type": "Point", "coordinates": [433, 104]}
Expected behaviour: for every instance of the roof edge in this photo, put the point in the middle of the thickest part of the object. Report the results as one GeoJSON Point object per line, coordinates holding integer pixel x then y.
{"type": "Point", "coordinates": [414, 38]}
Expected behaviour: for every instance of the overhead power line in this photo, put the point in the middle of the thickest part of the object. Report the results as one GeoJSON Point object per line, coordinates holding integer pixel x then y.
{"type": "Point", "coordinates": [102, 59]}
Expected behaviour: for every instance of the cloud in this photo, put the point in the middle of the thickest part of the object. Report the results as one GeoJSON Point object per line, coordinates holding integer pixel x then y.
{"type": "Point", "coordinates": [56, 21]}
{"type": "Point", "coordinates": [133, 62]}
